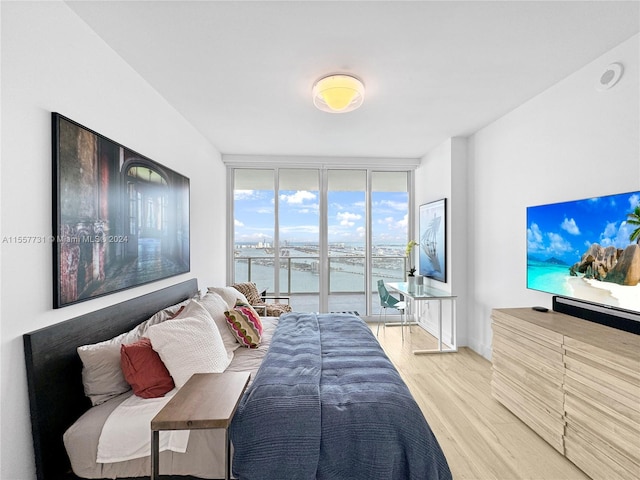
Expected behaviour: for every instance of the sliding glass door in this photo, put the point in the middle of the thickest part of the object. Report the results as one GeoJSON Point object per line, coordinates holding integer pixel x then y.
{"type": "Point", "coordinates": [254, 237]}
{"type": "Point", "coordinates": [321, 236]}
{"type": "Point", "coordinates": [390, 227]}
{"type": "Point", "coordinates": [299, 235]}
{"type": "Point", "coordinates": [347, 238]}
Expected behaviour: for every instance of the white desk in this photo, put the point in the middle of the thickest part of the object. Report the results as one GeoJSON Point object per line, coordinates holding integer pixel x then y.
{"type": "Point", "coordinates": [423, 293]}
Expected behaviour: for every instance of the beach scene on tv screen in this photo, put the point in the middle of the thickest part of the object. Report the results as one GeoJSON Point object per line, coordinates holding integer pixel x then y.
{"type": "Point", "coordinates": [587, 249]}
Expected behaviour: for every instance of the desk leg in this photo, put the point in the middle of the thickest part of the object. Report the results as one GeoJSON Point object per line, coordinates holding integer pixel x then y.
{"type": "Point", "coordinates": [155, 454]}
{"type": "Point", "coordinates": [451, 349]}
{"type": "Point", "coordinates": [227, 455]}
{"type": "Point", "coordinates": [454, 324]}
{"type": "Point", "coordinates": [439, 325]}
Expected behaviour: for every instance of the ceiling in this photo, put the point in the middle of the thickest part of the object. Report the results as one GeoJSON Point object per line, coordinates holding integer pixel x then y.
{"type": "Point", "coordinates": [241, 72]}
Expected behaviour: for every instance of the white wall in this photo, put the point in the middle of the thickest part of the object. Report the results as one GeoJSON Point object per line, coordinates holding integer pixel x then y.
{"type": "Point", "coordinates": [52, 61]}
{"type": "Point", "coordinates": [443, 174]}
{"type": "Point", "coordinates": [569, 142]}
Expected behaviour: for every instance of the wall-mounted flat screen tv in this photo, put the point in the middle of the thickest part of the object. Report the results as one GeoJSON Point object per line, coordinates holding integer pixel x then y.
{"type": "Point", "coordinates": [587, 250]}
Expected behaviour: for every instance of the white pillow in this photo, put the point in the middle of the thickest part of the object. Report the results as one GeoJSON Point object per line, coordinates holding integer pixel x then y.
{"type": "Point", "coordinates": [189, 344]}
{"type": "Point", "coordinates": [229, 295]}
{"type": "Point", "coordinates": [216, 306]}
{"type": "Point", "coordinates": [102, 376]}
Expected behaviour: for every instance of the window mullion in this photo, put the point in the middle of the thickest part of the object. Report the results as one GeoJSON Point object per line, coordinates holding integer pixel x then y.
{"type": "Point", "coordinates": [324, 242]}
{"type": "Point", "coordinates": [276, 233]}
{"type": "Point", "coordinates": [368, 266]}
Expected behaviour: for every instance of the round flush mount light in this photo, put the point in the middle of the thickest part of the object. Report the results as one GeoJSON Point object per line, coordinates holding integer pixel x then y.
{"type": "Point", "coordinates": [338, 93]}
{"type": "Point", "coordinates": [609, 77]}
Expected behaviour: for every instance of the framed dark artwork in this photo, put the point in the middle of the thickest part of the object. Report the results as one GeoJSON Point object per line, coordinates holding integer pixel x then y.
{"type": "Point", "coordinates": [433, 240]}
{"type": "Point", "coordinates": [120, 219]}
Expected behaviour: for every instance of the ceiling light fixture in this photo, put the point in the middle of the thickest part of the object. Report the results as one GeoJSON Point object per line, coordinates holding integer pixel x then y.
{"type": "Point", "coordinates": [338, 93]}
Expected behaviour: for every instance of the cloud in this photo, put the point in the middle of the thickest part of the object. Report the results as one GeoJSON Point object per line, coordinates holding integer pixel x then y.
{"type": "Point", "coordinates": [360, 206]}
{"type": "Point", "coordinates": [616, 236]}
{"type": "Point", "coordinates": [534, 238]}
{"type": "Point", "coordinates": [610, 230]}
{"type": "Point", "coordinates": [570, 226]}
{"type": "Point", "coordinates": [253, 237]}
{"type": "Point", "coordinates": [298, 198]}
{"type": "Point", "coordinates": [391, 204]}
{"type": "Point", "coordinates": [608, 236]}
{"type": "Point", "coordinates": [299, 229]}
{"type": "Point", "coordinates": [558, 245]}
{"type": "Point", "coordinates": [347, 219]}
{"type": "Point", "coordinates": [385, 220]}
{"type": "Point", "coordinates": [244, 194]}
{"type": "Point", "coordinates": [634, 201]}
{"type": "Point", "coordinates": [238, 223]}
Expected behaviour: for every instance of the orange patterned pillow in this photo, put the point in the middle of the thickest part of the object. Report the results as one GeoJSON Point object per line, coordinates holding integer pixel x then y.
{"type": "Point", "coordinates": [244, 322]}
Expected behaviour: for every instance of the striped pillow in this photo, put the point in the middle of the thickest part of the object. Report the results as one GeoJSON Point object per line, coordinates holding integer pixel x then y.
{"type": "Point", "coordinates": [245, 324]}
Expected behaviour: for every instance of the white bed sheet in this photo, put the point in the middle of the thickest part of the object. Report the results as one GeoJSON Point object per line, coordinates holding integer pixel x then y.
{"type": "Point", "coordinates": [125, 434]}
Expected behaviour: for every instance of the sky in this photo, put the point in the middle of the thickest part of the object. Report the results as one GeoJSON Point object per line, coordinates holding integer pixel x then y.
{"type": "Point", "coordinates": [566, 230]}
{"type": "Point", "coordinates": [299, 216]}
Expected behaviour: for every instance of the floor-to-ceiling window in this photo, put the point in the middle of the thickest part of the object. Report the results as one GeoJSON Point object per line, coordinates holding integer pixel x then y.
{"type": "Point", "coordinates": [298, 216]}
{"type": "Point", "coordinates": [390, 215]}
{"type": "Point", "coordinates": [254, 226]}
{"type": "Point", "coordinates": [322, 236]}
{"type": "Point", "coordinates": [347, 239]}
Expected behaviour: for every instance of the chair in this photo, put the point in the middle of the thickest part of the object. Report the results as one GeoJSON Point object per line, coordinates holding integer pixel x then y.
{"type": "Point", "coordinates": [259, 300]}
{"type": "Point", "coordinates": [389, 301]}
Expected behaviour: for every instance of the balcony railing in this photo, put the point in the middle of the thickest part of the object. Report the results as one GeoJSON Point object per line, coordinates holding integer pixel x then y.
{"type": "Point", "coordinates": [300, 280]}
{"type": "Point", "coordinates": [301, 274]}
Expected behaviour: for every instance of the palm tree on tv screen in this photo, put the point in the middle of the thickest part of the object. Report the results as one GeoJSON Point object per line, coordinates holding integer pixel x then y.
{"type": "Point", "coordinates": [633, 218]}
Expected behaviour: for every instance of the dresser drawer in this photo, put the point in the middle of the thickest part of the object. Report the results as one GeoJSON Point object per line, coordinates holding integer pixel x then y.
{"type": "Point", "coordinates": [599, 460]}
{"type": "Point", "coordinates": [576, 383]}
{"type": "Point", "coordinates": [528, 330]}
{"type": "Point", "coordinates": [546, 422]}
{"type": "Point", "coordinates": [539, 360]}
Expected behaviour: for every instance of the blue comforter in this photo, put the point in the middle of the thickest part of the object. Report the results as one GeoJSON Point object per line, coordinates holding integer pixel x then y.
{"type": "Point", "coordinates": [327, 403]}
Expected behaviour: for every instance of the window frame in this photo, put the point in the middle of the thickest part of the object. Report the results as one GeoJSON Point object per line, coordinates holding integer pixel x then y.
{"type": "Point", "coordinates": [407, 166]}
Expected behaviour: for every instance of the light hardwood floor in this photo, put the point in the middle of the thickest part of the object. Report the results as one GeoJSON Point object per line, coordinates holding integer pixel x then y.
{"type": "Point", "coordinates": [481, 439]}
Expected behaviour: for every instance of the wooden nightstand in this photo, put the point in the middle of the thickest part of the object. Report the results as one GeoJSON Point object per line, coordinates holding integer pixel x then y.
{"type": "Point", "coordinates": [207, 400]}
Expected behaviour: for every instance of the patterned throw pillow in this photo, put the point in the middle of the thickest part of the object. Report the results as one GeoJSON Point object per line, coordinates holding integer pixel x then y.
{"type": "Point", "coordinates": [245, 324]}
{"type": "Point", "coordinates": [250, 292]}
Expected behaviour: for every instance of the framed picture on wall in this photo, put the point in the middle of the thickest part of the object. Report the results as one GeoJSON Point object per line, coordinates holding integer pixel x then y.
{"type": "Point", "coordinates": [433, 240]}
{"type": "Point", "coordinates": [120, 219]}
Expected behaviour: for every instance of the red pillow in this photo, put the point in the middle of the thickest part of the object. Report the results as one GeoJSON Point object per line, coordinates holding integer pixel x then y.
{"type": "Point", "coordinates": [144, 370]}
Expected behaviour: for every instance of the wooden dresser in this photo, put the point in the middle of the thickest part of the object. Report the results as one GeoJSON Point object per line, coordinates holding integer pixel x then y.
{"type": "Point", "coordinates": [575, 383]}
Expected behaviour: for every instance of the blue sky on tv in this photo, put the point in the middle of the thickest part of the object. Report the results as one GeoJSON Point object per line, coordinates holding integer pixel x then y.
{"type": "Point", "coordinates": [566, 230]}
{"type": "Point", "coordinates": [299, 216]}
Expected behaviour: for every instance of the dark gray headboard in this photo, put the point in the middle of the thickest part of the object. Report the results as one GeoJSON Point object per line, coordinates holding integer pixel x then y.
{"type": "Point", "coordinates": [56, 395]}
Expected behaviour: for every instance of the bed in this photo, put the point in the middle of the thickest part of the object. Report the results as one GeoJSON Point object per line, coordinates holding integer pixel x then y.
{"type": "Point", "coordinates": [54, 370]}
{"type": "Point", "coordinates": [403, 446]}
{"type": "Point", "coordinates": [328, 404]}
